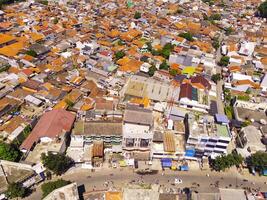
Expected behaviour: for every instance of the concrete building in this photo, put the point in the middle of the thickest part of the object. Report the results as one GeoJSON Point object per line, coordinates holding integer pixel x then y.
{"type": "Point", "coordinates": [206, 137]}
{"type": "Point", "coordinates": [249, 141]}
{"type": "Point", "coordinates": [68, 192]}
{"type": "Point", "coordinates": [137, 129]}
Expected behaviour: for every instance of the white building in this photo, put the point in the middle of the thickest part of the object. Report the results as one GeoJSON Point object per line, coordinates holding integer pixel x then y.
{"type": "Point", "coordinates": [206, 137]}
{"type": "Point", "coordinates": [137, 125]}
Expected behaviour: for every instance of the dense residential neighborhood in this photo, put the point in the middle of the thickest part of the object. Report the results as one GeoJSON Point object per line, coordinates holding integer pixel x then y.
{"type": "Point", "coordinates": [133, 99]}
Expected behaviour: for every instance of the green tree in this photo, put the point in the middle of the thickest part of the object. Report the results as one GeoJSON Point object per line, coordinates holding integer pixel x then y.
{"type": "Point", "coordinates": [224, 61]}
{"type": "Point", "coordinates": [229, 31]}
{"type": "Point", "coordinates": [164, 65]}
{"type": "Point", "coordinates": [229, 111]}
{"type": "Point", "coordinates": [152, 70]}
{"type": "Point", "coordinates": [15, 190]}
{"type": "Point", "coordinates": [55, 21]}
{"type": "Point", "coordinates": [137, 15]}
{"type": "Point", "coordinates": [57, 163]}
{"type": "Point", "coordinates": [149, 46]}
{"type": "Point", "coordinates": [215, 16]}
{"type": "Point", "coordinates": [9, 152]}
{"type": "Point", "coordinates": [243, 97]}
{"type": "Point", "coordinates": [47, 188]}
{"type": "Point", "coordinates": [216, 43]}
{"type": "Point", "coordinates": [188, 36]}
{"type": "Point", "coordinates": [31, 53]}
{"type": "Point", "coordinates": [258, 160]}
{"type": "Point", "coordinates": [173, 72]}
{"type": "Point", "coordinates": [119, 55]}
{"type": "Point", "coordinates": [121, 43]}
{"type": "Point", "coordinates": [226, 161]}
{"type": "Point", "coordinates": [263, 9]}
{"type": "Point", "coordinates": [69, 103]}
{"type": "Point", "coordinates": [216, 77]}
{"type": "Point", "coordinates": [166, 50]}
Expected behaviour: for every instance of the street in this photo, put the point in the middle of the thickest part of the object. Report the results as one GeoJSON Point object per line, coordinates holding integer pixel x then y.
{"type": "Point", "coordinates": [117, 178]}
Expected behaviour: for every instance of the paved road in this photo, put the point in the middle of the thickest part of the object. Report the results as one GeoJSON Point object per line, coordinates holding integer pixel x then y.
{"type": "Point", "coordinates": [121, 178]}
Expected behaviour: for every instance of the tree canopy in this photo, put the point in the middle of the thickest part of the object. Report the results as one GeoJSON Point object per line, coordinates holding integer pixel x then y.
{"type": "Point", "coordinates": [258, 160]}
{"type": "Point", "coordinates": [9, 152]}
{"type": "Point", "coordinates": [188, 36]}
{"type": "Point", "coordinates": [215, 78]}
{"type": "Point", "coordinates": [152, 70]}
{"type": "Point", "coordinates": [47, 188]}
{"type": "Point", "coordinates": [224, 61]}
{"type": "Point", "coordinates": [137, 15]}
{"type": "Point", "coordinates": [164, 65]}
{"type": "Point", "coordinates": [263, 9]}
{"type": "Point", "coordinates": [15, 190]}
{"type": "Point", "coordinates": [119, 55]}
{"type": "Point", "coordinates": [173, 72]}
{"type": "Point", "coordinates": [226, 161]}
{"type": "Point", "coordinates": [57, 163]}
{"type": "Point", "coordinates": [31, 53]}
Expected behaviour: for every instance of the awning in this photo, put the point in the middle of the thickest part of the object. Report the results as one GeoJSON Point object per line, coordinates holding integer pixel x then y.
{"type": "Point", "coordinates": [166, 162]}
{"type": "Point", "coordinates": [190, 152]}
{"type": "Point", "coordinates": [184, 168]}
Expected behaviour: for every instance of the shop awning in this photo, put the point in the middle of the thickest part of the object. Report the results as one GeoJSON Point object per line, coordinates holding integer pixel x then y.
{"type": "Point", "coordinates": [166, 162]}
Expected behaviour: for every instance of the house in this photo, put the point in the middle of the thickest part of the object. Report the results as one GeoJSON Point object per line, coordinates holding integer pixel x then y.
{"type": "Point", "coordinates": [137, 126]}
{"type": "Point", "coordinates": [68, 192]}
{"type": "Point", "coordinates": [13, 129]}
{"type": "Point", "coordinates": [53, 125]}
{"type": "Point", "coordinates": [249, 141]}
{"type": "Point", "coordinates": [105, 130]}
{"type": "Point", "coordinates": [13, 172]}
{"type": "Point", "coordinates": [194, 98]}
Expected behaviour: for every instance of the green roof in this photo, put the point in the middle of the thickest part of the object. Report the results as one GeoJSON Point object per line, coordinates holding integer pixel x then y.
{"type": "Point", "coordinates": [222, 130]}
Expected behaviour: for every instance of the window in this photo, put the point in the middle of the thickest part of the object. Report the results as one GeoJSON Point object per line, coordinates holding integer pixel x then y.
{"type": "Point", "coordinates": [223, 141]}
{"type": "Point", "coordinates": [129, 142]}
{"type": "Point", "coordinates": [221, 147]}
{"type": "Point", "coordinates": [144, 143]}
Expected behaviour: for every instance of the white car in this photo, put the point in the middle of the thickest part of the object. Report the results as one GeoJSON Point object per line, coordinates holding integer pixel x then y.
{"type": "Point", "coordinates": [178, 181]}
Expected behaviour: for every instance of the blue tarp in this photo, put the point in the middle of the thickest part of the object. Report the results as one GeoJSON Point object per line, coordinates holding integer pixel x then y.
{"type": "Point", "coordinates": [184, 168]}
{"type": "Point", "coordinates": [166, 162]}
{"type": "Point", "coordinates": [264, 172]}
{"type": "Point", "coordinates": [190, 152]}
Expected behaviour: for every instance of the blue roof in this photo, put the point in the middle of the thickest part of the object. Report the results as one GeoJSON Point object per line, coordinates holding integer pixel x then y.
{"type": "Point", "coordinates": [221, 118]}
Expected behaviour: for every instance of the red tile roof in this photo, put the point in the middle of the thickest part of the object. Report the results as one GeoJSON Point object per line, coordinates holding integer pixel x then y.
{"type": "Point", "coordinates": [186, 91]}
{"type": "Point", "coordinates": [51, 124]}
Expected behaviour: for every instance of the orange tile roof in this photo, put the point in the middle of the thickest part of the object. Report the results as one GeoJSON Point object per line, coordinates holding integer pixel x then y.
{"type": "Point", "coordinates": [12, 50]}
{"type": "Point", "coordinates": [131, 66]}
{"type": "Point", "coordinates": [4, 38]}
{"type": "Point", "coordinates": [234, 68]}
{"type": "Point", "coordinates": [5, 25]}
{"type": "Point", "coordinates": [36, 36]}
{"type": "Point", "coordinates": [114, 33]}
{"type": "Point", "coordinates": [264, 61]}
